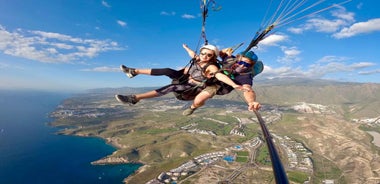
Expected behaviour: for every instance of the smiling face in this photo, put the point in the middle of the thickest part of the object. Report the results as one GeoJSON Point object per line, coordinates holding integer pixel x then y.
{"type": "Point", "coordinates": [206, 54]}
{"type": "Point", "coordinates": [246, 61]}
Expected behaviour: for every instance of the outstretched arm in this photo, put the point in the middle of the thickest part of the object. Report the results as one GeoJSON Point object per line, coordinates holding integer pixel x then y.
{"type": "Point", "coordinates": [249, 94]}
{"type": "Point", "coordinates": [189, 51]}
{"type": "Point", "coordinates": [227, 80]}
{"type": "Point", "coordinates": [250, 98]}
{"type": "Point", "coordinates": [213, 71]}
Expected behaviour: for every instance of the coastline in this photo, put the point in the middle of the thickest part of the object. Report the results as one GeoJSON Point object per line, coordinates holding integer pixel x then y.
{"type": "Point", "coordinates": [110, 141]}
{"type": "Point", "coordinates": [29, 140]}
{"type": "Point", "coordinates": [110, 159]}
{"type": "Point", "coordinates": [139, 170]}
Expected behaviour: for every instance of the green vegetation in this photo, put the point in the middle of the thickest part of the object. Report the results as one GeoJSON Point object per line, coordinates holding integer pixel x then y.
{"type": "Point", "coordinates": [242, 153]}
{"type": "Point", "coordinates": [263, 156]}
{"type": "Point", "coordinates": [242, 156]}
{"type": "Point", "coordinates": [369, 128]}
{"type": "Point", "coordinates": [297, 176]}
{"type": "Point", "coordinates": [218, 128]}
{"type": "Point", "coordinates": [158, 131]}
{"type": "Point", "coordinates": [324, 168]}
{"type": "Point", "coordinates": [227, 119]}
{"type": "Point", "coordinates": [242, 159]}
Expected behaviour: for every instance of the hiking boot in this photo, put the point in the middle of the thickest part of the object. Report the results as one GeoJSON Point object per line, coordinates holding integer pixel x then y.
{"type": "Point", "coordinates": [129, 99]}
{"type": "Point", "coordinates": [188, 111]}
{"type": "Point", "coordinates": [130, 72]}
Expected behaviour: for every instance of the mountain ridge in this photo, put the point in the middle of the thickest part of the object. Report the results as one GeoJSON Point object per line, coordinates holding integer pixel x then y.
{"type": "Point", "coordinates": [357, 99]}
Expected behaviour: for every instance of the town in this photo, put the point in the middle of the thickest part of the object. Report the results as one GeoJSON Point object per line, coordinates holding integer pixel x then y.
{"type": "Point", "coordinates": [298, 156]}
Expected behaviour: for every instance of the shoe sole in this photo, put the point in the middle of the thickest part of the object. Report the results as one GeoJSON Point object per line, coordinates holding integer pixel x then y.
{"type": "Point", "coordinates": [122, 68]}
{"type": "Point", "coordinates": [122, 101]}
{"type": "Point", "coordinates": [186, 113]}
{"type": "Point", "coordinates": [118, 99]}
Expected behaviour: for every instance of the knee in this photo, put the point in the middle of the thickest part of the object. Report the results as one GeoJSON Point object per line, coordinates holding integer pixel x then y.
{"type": "Point", "coordinates": [198, 103]}
{"type": "Point", "coordinates": [201, 98]}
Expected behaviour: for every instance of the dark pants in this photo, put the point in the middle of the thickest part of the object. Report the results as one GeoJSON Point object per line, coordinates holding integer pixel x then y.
{"type": "Point", "coordinates": [173, 74]}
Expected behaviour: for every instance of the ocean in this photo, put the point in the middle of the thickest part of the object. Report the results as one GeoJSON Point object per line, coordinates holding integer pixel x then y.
{"type": "Point", "coordinates": [31, 152]}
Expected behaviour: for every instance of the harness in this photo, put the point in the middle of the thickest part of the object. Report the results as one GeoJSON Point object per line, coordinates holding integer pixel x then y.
{"type": "Point", "coordinates": [198, 74]}
{"type": "Point", "coordinates": [228, 66]}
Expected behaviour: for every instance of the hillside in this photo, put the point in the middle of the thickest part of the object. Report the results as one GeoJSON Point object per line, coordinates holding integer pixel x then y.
{"type": "Point", "coordinates": [352, 99]}
{"type": "Point", "coordinates": [317, 114]}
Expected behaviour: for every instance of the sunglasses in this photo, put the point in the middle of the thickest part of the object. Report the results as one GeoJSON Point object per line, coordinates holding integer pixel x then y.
{"type": "Point", "coordinates": [206, 54]}
{"type": "Point", "coordinates": [244, 63]}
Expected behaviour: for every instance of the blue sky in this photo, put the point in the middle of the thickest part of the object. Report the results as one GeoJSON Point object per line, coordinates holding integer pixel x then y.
{"type": "Point", "coordinates": [79, 44]}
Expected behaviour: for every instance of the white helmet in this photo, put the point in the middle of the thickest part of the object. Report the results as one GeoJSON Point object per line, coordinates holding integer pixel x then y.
{"type": "Point", "coordinates": [211, 47]}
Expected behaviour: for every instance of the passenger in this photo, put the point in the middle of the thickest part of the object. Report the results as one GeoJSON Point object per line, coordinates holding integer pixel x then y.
{"type": "Point", "coordinates": [199, 78]}
{"type": "Point", "coordinates": [238, 68]}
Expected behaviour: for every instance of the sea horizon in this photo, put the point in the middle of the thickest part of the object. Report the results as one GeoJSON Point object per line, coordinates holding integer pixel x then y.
{"type": "Point", "coordinates": [32, 152]}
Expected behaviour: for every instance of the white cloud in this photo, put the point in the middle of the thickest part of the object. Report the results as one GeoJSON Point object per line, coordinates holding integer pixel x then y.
{"type": "Point", "coordinates": [359, 28]}
{"type": "Point", "coordinates": [341, 25]}
{"type": "Point", "coordinates": [121, 23]}
{"type": "Point", "coordinates": [4, 65]}
{"type": "Point", "coordinates": [359, 6]}
{"type": "Point", "coordinates": [188, 16]}
{"type": "Point", "coordinates": [342, 14]}
{"type": "Point", "coordinates": [369, 72]}
{"type": "Point", "coordinates": [167, 13]}
{"type": "Point", "coordinates": [340, 18]}
{"type": "Point", "coordinates": [296, 30]}
{"type": "Point", "coordinates": [104, 3]}
{"type": "Point", "coordinates": [51, 47]}
{"type": "Point", "coordinates": [55, 36]}
{"type": "Point", "coordinates": [290, 55]}
{"type": "Point", "coordinates": [282, 72]}
{"type": "Point", "coordinates": [328, 59]}
{"type": "Point", "coordinates": [324, 25]}
{"type": "Point", "coordinates": [102, 69]}
{"type": "Point", "coordinates": [319, 69]}
{"type": "Point", "coordinates": [362, 65]}
{"type": "Point", "coordinates": [273, 40]}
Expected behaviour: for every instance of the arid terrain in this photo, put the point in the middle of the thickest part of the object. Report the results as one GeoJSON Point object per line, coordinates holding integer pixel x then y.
{"type": "Point", "coordinates": [327, 122]}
